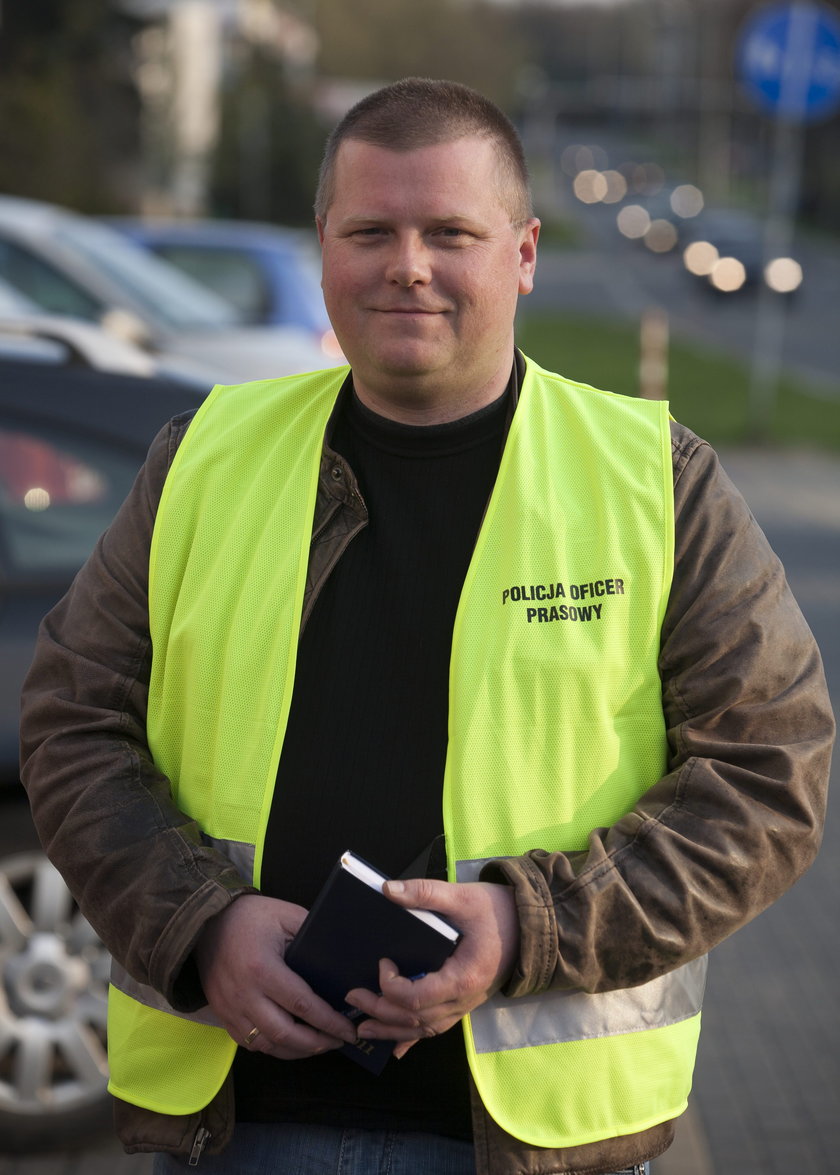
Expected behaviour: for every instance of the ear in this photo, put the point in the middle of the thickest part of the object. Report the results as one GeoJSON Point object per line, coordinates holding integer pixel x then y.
{"type": "Point", "coordinates": [319, 225]}
{"type": "Point", "coordinates": [528, 254]}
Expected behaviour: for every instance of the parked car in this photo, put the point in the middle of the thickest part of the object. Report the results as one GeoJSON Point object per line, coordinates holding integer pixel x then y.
{"type": "Point", "coordinates": [55, 338]}
{"type": "Point", "coordinates": [74, 265]}
{"type": "Point", "coordinates": [72, 438]}
{"type": "Point", "coordinates": [270, 274]}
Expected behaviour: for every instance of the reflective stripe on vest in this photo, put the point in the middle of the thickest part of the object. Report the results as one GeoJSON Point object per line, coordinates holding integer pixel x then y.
{"type": "Point", "coordinates": [556, 724]}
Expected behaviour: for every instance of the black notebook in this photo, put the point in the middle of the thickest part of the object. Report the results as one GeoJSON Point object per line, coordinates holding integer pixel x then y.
{"type": "Point", "coordinates": [351, 926]}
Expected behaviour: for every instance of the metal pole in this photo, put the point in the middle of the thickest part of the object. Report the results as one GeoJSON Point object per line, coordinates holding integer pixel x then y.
{"type": "Point", "coordinates": [785, 180]}
{"type": "Point", "coordinates": [653, 354]}
{"type": "Point", "coordinates": [771, 311]}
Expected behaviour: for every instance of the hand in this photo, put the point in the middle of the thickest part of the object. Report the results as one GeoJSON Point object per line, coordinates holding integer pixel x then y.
{"type": "Point", "coordinates": [240, 960]}
{"type": "Point", "coordinates": [408, 1010]}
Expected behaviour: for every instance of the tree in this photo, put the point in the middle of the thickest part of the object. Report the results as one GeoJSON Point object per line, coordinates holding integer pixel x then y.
{"type": "Point", "coordinates": [68, 107]}
{"type": "Point", "coordinates": [468, 41]}
{"type": "Point", "coordinates": [269, 151]}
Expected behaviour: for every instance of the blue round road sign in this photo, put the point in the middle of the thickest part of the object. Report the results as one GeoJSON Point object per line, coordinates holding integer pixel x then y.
{"type": "Point", "coordinates": [789, 60]}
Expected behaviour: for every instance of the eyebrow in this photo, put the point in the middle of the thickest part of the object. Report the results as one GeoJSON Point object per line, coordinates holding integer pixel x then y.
{"type": "Point", "coordinates": [452, 220]}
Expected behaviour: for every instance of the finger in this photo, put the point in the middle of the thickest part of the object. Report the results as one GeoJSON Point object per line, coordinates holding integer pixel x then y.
{"type": "Point", "coordinates": [278, 1029]}
{"type": "Point", "coordinates": [294, 996]}
{"type": "Point", "coordinates": [401, 1049]}
{"type": "Point", "coordinates": [380, 1006]}
{"type": "Point", "coordinates": [296, 1044]}
{"type": "Point", "coordinates": [424, 893]}
{"type": "Point", "coordinates": [422, 1029]}
{"type": "Point", "coordinates": [280, 1035]}
{"type": "Point", "coordinates": [293, 918]}
{"type": "Point", "coordinates": [416, 992]}
{"type": "Point", "coordinates": [403, 1002]}
{"type": "Point", "coordinates": [380, 1010]}
{"type": "Point", "coordinates": [374, 1030]}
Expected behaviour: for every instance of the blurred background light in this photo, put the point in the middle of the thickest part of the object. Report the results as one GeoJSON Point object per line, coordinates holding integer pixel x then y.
{"type": "Point", "coordinates": [661, 236]}
{"type": "Point", "coordinates": [330, 345]}
{"type": "Point", "coordinates": [577, 157]}
{"type": "Point", "coordinates": [616, 187]}
{"type": "Point", "coordinates": [633, 221]}
{"type": "Point", "coordinates": [590, 186]}
{"type": "Point", "coordinates": [700, 258]}
{"type": "Point", "coordinates": [784, 275]}
{"type": "Point", "coordinates": [635, 175]}
{"type": "Point", "coordinates": [36, 499]}
{"type": "Point", "coordinates": [728, 275]}
{"type": "Point", "coordinates": [687, 200]}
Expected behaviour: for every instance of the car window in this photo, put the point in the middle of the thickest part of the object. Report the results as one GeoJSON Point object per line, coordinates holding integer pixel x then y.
{"type": "Point", "coordinates": [301, 299]}
{"type": "Point", "coordinates": [57, 495]}
{"type": "Point", "coordinates": [46, 287]}
{"type": "Point", "coordinates": [166, 295]}
{"type": "Point", "coordinates": [231, 274]}
{"type": "Point", "coordinates": [15, 303]}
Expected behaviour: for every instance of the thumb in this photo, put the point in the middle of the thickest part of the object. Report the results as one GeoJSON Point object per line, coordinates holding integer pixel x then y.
{"type": "Point", "coordinates": [288, 920]}
{"type": "Point", "coordinates": [421, 893]}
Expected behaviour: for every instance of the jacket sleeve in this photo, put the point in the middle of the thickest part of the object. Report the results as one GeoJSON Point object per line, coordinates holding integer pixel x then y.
{"type": "Point", "coordinates": [136, 865]}
{"type": "Point", "coordinates": [739, 815]}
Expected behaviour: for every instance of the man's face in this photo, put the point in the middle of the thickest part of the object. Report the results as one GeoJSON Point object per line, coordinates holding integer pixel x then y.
{"type": "Point", "coordinates": [421, 272]}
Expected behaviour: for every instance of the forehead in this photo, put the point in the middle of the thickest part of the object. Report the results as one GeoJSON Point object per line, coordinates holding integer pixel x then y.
{"type": "Point", "coordinates": [461, 177]}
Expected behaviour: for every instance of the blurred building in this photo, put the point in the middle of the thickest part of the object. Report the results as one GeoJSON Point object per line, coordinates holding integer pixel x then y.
{"type": "Point", "coordinates": [183, 56]}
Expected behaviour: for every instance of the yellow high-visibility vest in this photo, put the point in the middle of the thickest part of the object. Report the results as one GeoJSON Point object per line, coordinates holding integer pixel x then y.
{"type": "Point", "coordinates": [555, 728]}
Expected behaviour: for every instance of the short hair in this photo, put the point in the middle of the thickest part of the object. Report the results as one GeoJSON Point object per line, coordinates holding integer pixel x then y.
{"type": "Point", "coordinates": [423, 112]}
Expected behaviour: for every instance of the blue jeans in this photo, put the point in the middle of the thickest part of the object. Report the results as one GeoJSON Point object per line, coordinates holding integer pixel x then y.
{"type": "Point", "coordinates": [289, 1148]}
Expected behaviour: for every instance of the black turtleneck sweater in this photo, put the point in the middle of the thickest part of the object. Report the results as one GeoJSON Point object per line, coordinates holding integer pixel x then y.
{"type": "Point", "coordinates": [363, 759]}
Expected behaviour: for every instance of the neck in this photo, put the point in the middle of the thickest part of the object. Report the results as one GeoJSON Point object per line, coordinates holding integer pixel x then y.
{"type": "Point", "coordinates": [422, 406]}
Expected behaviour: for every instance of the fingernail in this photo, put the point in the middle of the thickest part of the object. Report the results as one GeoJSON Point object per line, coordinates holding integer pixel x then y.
{"type": "Point", "coordinates": [396, 887]}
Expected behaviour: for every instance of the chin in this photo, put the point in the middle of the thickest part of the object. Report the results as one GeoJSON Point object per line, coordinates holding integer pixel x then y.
{"type": "Point", "coordinates": [410, 361]}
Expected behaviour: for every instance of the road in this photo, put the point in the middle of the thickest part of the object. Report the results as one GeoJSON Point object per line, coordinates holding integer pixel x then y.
{"type": "Point", "coordinates": [610, 275]}
{"type": "Point", "coordinates": [766, 1090]}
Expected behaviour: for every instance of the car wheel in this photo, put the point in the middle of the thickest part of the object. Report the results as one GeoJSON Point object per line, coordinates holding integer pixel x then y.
{"type": "Point", "coordinates": [53, 995]}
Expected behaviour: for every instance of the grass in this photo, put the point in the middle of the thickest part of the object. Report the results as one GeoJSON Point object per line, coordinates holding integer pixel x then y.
{"type": "Point", "coordinates": [559, 233]}
{"type": "Point", "coordinates": [708, 390]}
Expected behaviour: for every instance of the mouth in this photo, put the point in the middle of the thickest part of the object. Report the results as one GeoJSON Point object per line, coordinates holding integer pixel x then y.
{"type": "Point", "coordinates": [410, 311]}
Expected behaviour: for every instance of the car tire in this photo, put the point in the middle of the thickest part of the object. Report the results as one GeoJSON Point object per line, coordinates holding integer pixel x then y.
{"type": "Point", "coordinates": [53, 998]}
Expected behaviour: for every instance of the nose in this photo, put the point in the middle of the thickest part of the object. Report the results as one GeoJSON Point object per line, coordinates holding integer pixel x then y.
{"type": "Point", "coordinates": [409, 262]}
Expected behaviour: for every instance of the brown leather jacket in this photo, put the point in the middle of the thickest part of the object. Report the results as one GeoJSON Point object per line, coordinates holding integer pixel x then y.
{"type": "Point", "coordinates": [730, 827]}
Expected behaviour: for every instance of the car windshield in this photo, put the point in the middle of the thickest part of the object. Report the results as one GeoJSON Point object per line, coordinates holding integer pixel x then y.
{"type": "Point", "coordinates": [168, 296]}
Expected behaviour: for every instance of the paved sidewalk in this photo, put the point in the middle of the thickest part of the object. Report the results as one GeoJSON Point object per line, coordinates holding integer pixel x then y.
{"type": "Point", "coordinates": [766, 1096]}
{"type": "Point", "coordinates": [103, 1158]}
{"type": "Point", "coordinates": [767, 1089]}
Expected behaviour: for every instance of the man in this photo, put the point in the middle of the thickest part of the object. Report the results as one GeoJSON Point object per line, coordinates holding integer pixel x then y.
{"type": "Point", "coordinates": [447, 592]}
